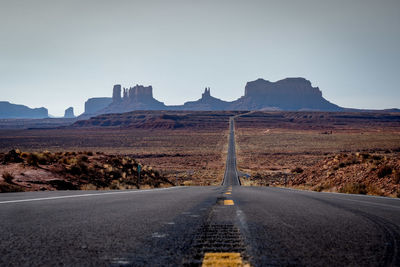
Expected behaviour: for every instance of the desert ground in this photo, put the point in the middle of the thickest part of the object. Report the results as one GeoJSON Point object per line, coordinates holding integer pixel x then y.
{"type": "Point", "coordinates": [339, 152]}
{"type": "Point", "coordinates": [191, 152]}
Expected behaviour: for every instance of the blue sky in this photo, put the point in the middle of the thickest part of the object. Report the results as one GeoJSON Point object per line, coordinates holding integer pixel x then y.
{"type": "Point", "coordinates": [57, 53]}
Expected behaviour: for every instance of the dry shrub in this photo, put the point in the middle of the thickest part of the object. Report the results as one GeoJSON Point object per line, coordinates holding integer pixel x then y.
{"type": "Point", "coordinates": [354, 188]}
{"type": "Point", "coordinates": [322, 187]}
{"type": "Point", "coordinates": [6, 188]}
{"type": "Point", "coordinates": [384, 171]}
{"type": "Point", "coordinates": [8, 177]}
{"type": "Point", "coordinates": [373, 190]}
{"type": "Point", "coordinates": [83, 158]}
{"type": "Point", "coordinates": [297, 170]}
{"type": "Point", "coordinates": [396, 178]}
{"type": "Point", "coordinates": [32, 159]}
{"type": "Point", "coordinates": [13, 156]}
{"type": "Point", "coordinates": [377, 157]}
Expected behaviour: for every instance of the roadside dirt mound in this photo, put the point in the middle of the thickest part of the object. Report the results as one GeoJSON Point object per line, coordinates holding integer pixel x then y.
{"type": "Point", "coordinates": [25, 171]}
{"type": "Point", "coordinates": [357, 173]}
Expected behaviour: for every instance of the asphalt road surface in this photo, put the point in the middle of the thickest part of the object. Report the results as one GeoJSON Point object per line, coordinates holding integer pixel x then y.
{"type": "Point", "coordinates": [231, 224]}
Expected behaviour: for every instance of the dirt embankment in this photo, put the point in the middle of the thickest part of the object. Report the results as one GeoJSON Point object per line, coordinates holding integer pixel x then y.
{"type": "Point", "coordinates": [355, 173]}
{"type": "Point", "coordinates": [25, 171]}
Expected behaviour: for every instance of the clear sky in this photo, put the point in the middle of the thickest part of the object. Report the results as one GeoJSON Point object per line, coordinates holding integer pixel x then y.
{"type": "Point", "coordinates": [58, 54]}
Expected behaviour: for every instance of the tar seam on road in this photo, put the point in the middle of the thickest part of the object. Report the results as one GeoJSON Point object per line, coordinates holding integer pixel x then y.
{"type": "Point", "coordinates": [85, 195]}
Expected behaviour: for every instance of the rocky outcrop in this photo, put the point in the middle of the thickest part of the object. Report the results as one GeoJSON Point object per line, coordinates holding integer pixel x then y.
{"type": "Point", "coordinates": [138, 97]}
{"type": "Point", "coordinates": [93, 105]}
{"type": "Point", "coordinates": [206, 103]}
{"type": "Point", "coordinates": [69, 113]}
{"type": "Point", "coordinates": [14, 111]}
{"type": "Point", "coordinates": [287, 94]}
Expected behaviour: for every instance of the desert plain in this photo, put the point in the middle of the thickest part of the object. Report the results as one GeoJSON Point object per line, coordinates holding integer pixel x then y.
{"type": "Point", "coordinates": [345, 152]}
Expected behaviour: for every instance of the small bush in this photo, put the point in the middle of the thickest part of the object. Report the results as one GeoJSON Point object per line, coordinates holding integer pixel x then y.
{"type": "Point", "coordinates": [13, 156]}
{"type": "Point", "coordinates": [83, 158]}
{"type": "Point", "coordinates": [297, 170]}
{"type": "Point", "coordinates": [373, 190]}
{"type": "Point", "coordinates": [396, 178]}
{"type": "Point", "coordinates": [8, 177]}
{"type": "Point", "coordinates": [365, 155]}
{"type": "Point", "coordinates": [320, 188]}
{"type": "Point", "coordinates": [376, 157]}
{"type": "Point", "coordinates": [384, 171]}
{"type": "Point", "coordinates": [75, 170]}
{"type": "Point", "coordinates": [4, 188]}
{"type": "Point", "coordinates": [356, 188]}
{"type": "Point", "coordinates": [32, 159]}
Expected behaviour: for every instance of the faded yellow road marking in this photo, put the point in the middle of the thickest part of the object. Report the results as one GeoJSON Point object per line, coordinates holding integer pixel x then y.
{"type": "Point", "coordinates": [228, 202]}
{"type": "Point", "coordinates": [226, 259]}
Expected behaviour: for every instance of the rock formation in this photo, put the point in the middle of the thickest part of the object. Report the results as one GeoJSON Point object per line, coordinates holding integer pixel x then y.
{"type": "Point", "coordinates": [286, 94]}
{"type": "Point", "coordinates": [116, 97]}
{"type": "Point", "coordinates": [206, 103]}
{"type": "Point", "coordinates": [134, 98]}
{"type": "Point", "coordinates": [69, 113]}
{"type": "Point", "coordinates": [14, 111]}
{"type": "Point", "coordinates": [93, 105]}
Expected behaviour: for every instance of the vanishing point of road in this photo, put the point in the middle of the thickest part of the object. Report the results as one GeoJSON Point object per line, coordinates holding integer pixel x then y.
{"type": "Point", "coordinates": [227, 225]}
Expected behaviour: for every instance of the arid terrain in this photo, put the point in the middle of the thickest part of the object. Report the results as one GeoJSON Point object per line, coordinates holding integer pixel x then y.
{"type": "Point", "coordinates": [339, 152]}
{"type": "Point", "coordinates": [185, 149]}
{"type": "Point", "coordinates": [33, 171]}
{"type": "Point", "coordinates": [321, 151]}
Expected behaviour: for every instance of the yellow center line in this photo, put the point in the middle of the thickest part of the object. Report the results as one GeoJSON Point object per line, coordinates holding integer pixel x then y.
{"type": "Point", "coordinates": [228, 193]}
{"type": "Point", "coordinates": [227, 259]}
{"type": "Point", "coordinates": [228, 202]}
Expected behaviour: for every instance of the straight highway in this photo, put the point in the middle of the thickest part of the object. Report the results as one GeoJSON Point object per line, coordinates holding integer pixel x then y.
{"type": "Point", "coordinates": [229, 225]}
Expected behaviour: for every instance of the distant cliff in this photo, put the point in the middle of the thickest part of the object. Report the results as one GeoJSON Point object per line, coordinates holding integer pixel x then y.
{"type": "Point", "coordinates": [134, 98]}
{"type": "Point", "coordinates": [93, 105]}
{"type": "Point", "coordinates": [287, 94]}
{"type": "Point", "coordinates": [14, 111]}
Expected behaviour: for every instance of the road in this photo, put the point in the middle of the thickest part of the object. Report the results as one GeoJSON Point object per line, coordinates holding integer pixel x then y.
{"type": "Point", "coordinates": [231, 175]}
{"type": "Point", "coordinates": [261, 226]}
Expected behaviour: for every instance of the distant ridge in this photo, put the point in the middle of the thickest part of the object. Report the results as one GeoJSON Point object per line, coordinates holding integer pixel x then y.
{"type": "Point", "coordinates": [290, 94]}
{"type": "Point", "coordinates": [14, 111]}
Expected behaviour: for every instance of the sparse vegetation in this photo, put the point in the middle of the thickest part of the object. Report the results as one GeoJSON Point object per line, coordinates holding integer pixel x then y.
{"type": "Point", "coordinates": [8, 177]}
{"type": "Point", "coordinates": [396, 179]}
{"type": "Point", "coordinates": [270, 143]}
{"type": "Point", "coordinates": [384, 171]}
{"type": "Point", "coordinates": [354, 188]}
{"type": "Point", "coordinates": [80, 171]}
{"type": "Point", "coordinates": [297, 170]}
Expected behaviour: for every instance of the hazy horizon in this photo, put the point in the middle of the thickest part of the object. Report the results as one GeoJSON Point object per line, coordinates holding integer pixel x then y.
{"type": "Point", "coordinates": [58, 54]}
